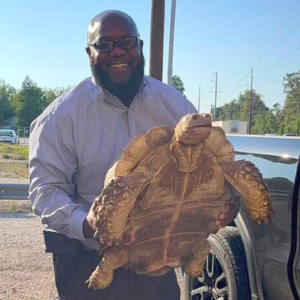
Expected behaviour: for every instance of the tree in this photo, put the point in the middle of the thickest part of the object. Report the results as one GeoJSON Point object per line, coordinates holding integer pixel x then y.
{"type": "Point", "coordinates": [278, 112]}
{"type": "Point", "coordinates": [291, 111]}
{"type": "Point", "coordinates": [52, 94]}
{"type": "Point", "coordinates": [228, 111]}
{"type": "Point", "coordinates": [29, 102]}
{"type": "Point", "coordinates": [239, 109]}
{"type": "Point", "coordinates": [178, 84]}
{"type": "Point", "coordinates": [7, 93]}
{"type": "Point", "coordinates": [265, 123]}
{"type": "Point", "coordinates": [49, 95]}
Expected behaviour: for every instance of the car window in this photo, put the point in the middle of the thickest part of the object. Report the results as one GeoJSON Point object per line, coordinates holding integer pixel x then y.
{"type": "Point", "coordinates": [6, 133]}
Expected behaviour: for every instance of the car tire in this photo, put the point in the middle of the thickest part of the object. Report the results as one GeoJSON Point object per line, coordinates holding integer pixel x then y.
{"type": "Point", "coordinates": [225, 273]}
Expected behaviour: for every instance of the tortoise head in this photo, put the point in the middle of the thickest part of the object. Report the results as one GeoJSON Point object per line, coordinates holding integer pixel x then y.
{"type": "Point", "coordinates": [193, 128]}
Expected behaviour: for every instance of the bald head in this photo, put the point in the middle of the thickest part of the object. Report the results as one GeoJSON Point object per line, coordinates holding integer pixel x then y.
{"type": "Point", "coordinates": [109, 19]}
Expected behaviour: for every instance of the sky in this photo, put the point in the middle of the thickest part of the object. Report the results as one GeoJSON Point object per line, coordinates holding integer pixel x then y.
{"type": "Point", "coordinates": [46, 40]}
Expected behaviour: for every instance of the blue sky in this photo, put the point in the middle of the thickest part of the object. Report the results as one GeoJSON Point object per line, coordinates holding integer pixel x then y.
{"type": "Point", "coordinates": [46, 40]}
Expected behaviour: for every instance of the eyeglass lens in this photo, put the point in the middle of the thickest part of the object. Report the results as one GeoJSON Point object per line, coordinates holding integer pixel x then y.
{"type": "Point", "coordinates": [125, 44]}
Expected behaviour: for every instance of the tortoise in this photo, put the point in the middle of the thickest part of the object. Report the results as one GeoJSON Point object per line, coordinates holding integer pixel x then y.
{"type": "Point", "coordinates": [167, 190]}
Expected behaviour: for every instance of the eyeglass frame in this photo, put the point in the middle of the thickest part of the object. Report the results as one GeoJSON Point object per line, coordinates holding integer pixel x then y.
{"type": "Point", "coordinates": [114, 44]}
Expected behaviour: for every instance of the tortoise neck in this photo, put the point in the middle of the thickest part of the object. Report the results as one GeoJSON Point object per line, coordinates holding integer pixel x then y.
{"type": "Point", "coordinates": [187, 157]}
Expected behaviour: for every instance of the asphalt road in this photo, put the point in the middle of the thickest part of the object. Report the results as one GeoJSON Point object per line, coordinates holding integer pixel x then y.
{"type": "Point", "coordinates": [26, 271]}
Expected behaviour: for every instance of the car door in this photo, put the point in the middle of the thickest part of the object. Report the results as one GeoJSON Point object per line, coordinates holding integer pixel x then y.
{"type": "Point", "coordinates": [293, 266]}
{"type": "Point", "coordinates": [277, 159]}
{"type": "Point", "coordinates": [267, 246]}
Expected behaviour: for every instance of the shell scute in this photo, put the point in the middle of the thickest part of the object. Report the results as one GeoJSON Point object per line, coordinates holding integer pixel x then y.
{"type": "Point", "coordinates": [140, 146]}
{"type": "Point", "coordinates": [219, 146]}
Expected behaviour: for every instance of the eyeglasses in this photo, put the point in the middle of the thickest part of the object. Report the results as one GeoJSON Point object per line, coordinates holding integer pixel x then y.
{"type": "Point", "coordinates": [108, 46]}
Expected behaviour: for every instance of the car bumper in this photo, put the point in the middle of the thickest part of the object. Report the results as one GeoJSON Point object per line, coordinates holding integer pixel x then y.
{"type": "Point", "coordinates": [7, 142]}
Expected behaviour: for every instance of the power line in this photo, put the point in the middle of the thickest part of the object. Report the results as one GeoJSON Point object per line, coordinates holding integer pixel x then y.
{"type": "Point", "coordinates": [208, 85]}
{"type": "Point", "coordinates": [208, 93]}
{"type": "Point", "coordinates": [209, 82]}
{"type": "Point", "coordinates": [268, 80]}
{"type": "Point", "coordinates": [281, 78]}
{"type": "Point", "coordinates": [280, 61]}
{"type": "Point", "coordinates": [257, 59]}
{"type": "Point", "coordinates": [234, 82]}
{"type": "Point", "coordinates": [216, 92]}
{"type": "Point", "coordinates": [273, 46]}
{"type": "Point", "coordinates": [269, 68]}
{"type": "Point", "coordinates": [293, 69]}
{"type": "Point", "coordinates": [277, 31]}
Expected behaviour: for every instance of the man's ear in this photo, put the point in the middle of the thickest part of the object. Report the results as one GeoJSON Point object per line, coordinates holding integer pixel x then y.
{"type": "Point", "coordinates": [141, 44]}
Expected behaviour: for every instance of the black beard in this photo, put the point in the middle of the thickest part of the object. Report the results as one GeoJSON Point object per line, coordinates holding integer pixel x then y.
{"type": "Point", "coordinates": [130, 88]}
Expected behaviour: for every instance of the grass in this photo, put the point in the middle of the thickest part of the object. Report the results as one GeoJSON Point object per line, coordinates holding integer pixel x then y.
{"type": "Point", "coordinates": [15, 206]}
{"type": "Point", "coordinates": [14, 170]}
{"type": "Point", "coordinates": [14, 152]}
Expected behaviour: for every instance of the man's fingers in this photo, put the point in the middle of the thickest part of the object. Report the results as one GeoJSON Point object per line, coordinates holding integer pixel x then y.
{"type": "Point", "coordinates": [128, 238]}
{"type": "Point", "coordinates": [222, 216]}
{"type": "Point", "coordinates": [225, 218]}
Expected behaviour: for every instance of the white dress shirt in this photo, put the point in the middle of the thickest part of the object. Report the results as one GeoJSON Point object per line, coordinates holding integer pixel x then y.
{"type": "Point", "coordinates": [76, 139]}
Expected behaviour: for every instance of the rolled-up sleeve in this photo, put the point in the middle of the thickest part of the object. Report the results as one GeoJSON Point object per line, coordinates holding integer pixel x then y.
{"type": "Point", "coordinates": [53, 170]}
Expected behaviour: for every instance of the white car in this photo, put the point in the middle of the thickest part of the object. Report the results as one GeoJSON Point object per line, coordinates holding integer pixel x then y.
{"type": "Point", "coordinates": [9, 136]}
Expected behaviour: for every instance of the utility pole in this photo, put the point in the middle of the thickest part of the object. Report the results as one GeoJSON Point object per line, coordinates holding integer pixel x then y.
{"type": "Point", "coordinates": [157, 38]}
{"type": "Point", "coordinates": [251, 103]}
{"type": "Point", "coordinates": [199, 99]}
{"type": "Point", "coordinates": [171, 42]}
{"type": "Point", "coordinates": [216, 92]}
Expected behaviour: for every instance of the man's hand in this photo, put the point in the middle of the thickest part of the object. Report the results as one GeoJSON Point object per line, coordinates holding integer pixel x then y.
{"type": "Point", "coordinates": [226, 218]}
{"type": "Point", "coordinates": [128, 238]}
{"type": "Point", "coordinates": [89, 228]}
{"type": "Point", "coordinates": [88, 223]}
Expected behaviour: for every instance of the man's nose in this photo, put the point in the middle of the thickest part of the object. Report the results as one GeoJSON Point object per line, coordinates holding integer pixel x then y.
{"type": "Point", "coordinates": [117, 51]}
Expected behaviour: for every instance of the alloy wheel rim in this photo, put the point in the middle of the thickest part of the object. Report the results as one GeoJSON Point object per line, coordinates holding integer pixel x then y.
{"type": "Point", "coordinates": [211, 284]}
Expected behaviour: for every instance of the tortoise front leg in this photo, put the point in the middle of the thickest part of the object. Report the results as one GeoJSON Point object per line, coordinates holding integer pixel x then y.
{"type": "Point", "coordinates": [245, 177]}
{"type": "Point", "coordinates": [195, 262]}
{"type": "Point", "coordinates": [103, 275]}
{"type": "Point", "coordinates": [114, 205]}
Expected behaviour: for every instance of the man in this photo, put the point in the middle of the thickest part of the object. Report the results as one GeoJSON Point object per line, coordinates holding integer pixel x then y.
{"type": "Point", "coordinates": [75, 141]}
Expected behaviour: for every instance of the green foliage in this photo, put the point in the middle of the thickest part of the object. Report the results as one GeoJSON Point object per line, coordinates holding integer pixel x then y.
{"type": "Point", "coordinates": [6, 95]}
{"type": "Point", "coordinates": [291, 111]}
{"type": "Point", "coordinates": [16, 152]}
{"type": "Point", "coordinates": [239, 109]}
{"type": "Point", "coordinates": [229, 111]}
{"type": "Point", "coordinates": [15, 206]}
{"type": "Point", "coordinates": [49, 95]}
{"type": "Point", "coordinates": [277, 120]}
{"type": "Point", "coordinates": [14, 170]}
{"type": "Point", "coordinates": [52, 94]}
{"type": "Point", "coordinates": [29, 102]}
{"type": "Point", "coordinates": [265, 123]}
{"type": "Point", "coordinates": [178, 84]}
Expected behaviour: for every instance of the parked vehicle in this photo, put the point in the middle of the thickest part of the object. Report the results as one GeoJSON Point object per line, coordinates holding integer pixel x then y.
{"type": "Point", "coordinates": [249, 261]}
{"type": "Point", "coordinates": [9, 136]}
